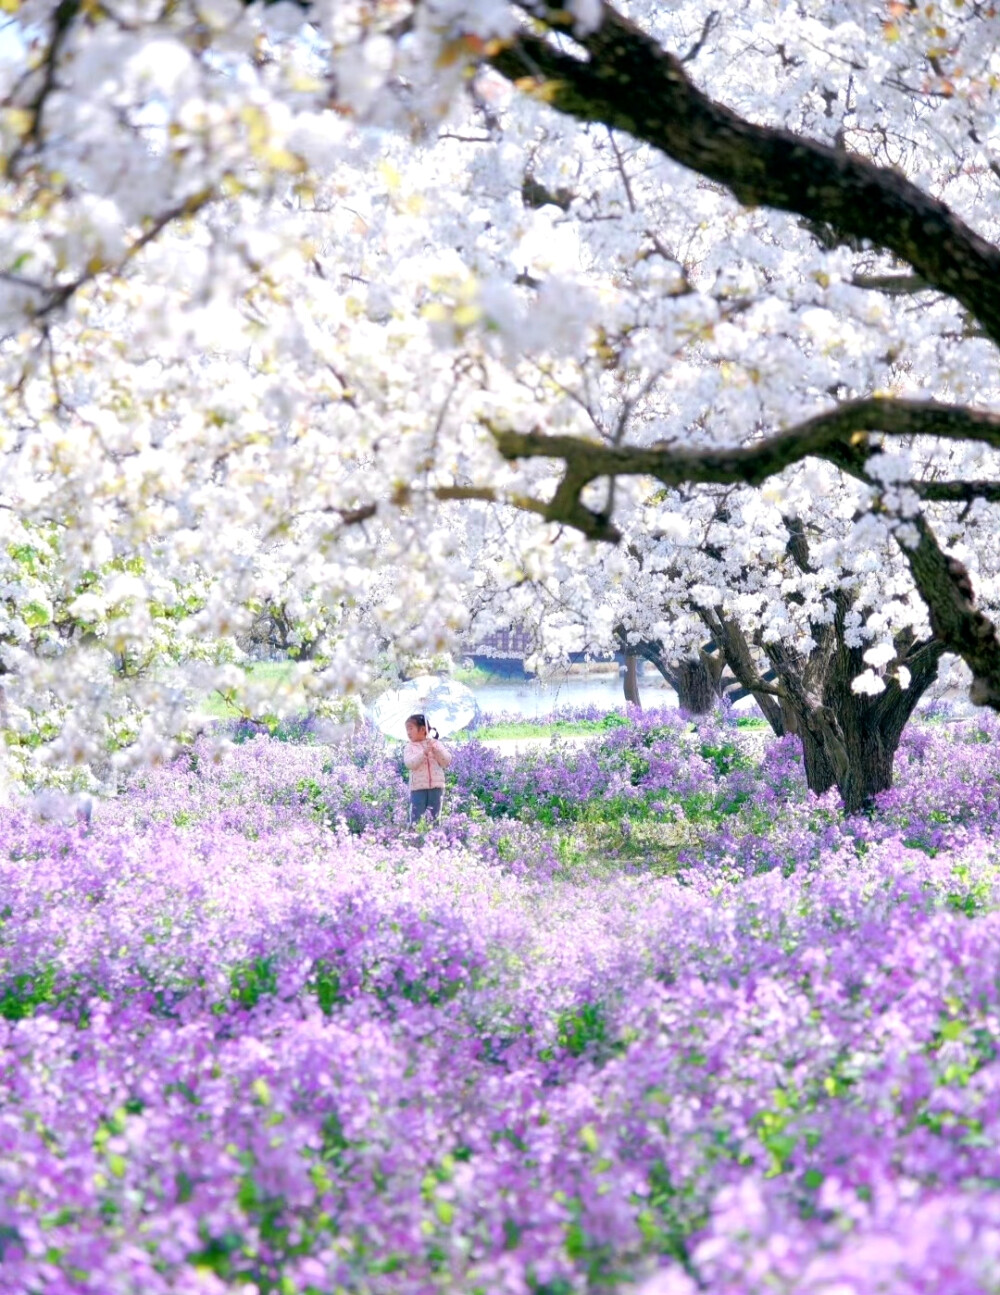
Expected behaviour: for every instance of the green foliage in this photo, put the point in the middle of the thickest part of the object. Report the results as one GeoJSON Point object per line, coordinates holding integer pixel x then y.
{"type": "Point", "coordinates": [475, 676]}
{"type": "Point", "coordinates": [35, 614]}
{"type": "Point", "coordinates": [670, 1215]}
{"type": "Point", "coordinates": [273, 674]}
{"type": "Point", "coordinates": [725, 758]}
{"type": "Point", "coordinates": [581, 1028]}
{"type": "Point", "coordinates": [325, 983]}
{"type": "Point", "coordinates": [595, 1258]}
{"type": "Point", "coordinates": [23, 993]}
{"type": "Point", "coordinates": [968, 895]}
{"type": "Point", "coordinates": [556, 728]}
{"type": "Point", "coordinates": [313, 793]}
{"type": "Point", "coordinates": [584, 1029]}
{"type": "Point", "coordinates": [250, 981]}
{"type": "Point", "coordinates": [569, 852]}
{"type": "Point", "coordinates": [637, 765]}
{"type": "Point", "coordinates": [778, 1137]}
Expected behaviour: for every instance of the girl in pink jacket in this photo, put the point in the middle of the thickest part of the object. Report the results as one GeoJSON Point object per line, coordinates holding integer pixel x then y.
{"type": "Point", "coordinates": [426, 758]}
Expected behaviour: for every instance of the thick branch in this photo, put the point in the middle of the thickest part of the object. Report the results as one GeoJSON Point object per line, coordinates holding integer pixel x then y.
{"type": "Point", "coordinates": [893, 708]}
{"type": "Point", "coordinates": [734, 647]}
{"type": "Point", "coordinates": [631, 84]}
{"type": "Point", "coordinates": [957, 492]}
{"type": "Point", "coordinates": [840, 436]}
{"type": "Point", "coordinates": [957, 624]}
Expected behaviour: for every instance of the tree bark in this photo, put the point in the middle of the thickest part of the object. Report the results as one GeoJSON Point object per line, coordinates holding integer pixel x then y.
{"type": "Point", "coordinates": [628, 82]}
{"type": "Point", "coordinates": [849, 739]}
{"type": "Point", "coordinates": [820, 773]}
{"type": "Point", "coordinates": [696, 680]}
{"type": "Point", "coordinates": [870, 728]}
{"type": "Point", "coordinates": [696, 683]}
{"type": "Point", "coordinates": [870, 765]}
{"type": "Point", "coordinates": [736, 652]}
{"type": "Point", "coordinates": [632, 680]}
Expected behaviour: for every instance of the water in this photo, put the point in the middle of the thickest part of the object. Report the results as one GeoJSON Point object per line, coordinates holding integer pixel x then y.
{"type": "Point", "coordinates": [532, 698]}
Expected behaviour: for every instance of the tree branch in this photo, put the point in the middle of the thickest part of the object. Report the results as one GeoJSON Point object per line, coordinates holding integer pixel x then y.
{"type": "Point", "coordinates": [840, 436]}
{"type": "Point", "coordinates": [404, 496]}
{"type": "Point", "coordinates": [958, 625]}
{"type": "Point", "coordinates": [957, 492]}
{"type": "Point", "coordinates": [631, 84]}
{"type": "Point", "coordinates": [894, 285]}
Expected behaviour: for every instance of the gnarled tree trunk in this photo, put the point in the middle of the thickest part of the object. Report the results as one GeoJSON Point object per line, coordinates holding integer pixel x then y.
{"type": "Point", "coordinates": [696, 681]}
{"type": "Point", "coordinates": [869, 728]}
{"type": "Point", "coordinates": [820, 772]}
{"type": "Point", "coordinates": [849, 739]}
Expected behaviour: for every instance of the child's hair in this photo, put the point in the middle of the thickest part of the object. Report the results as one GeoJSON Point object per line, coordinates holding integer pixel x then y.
{"type": "Point", "coordinates": [421, 722]}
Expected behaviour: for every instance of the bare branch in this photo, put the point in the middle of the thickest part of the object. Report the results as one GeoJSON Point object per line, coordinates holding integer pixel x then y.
{"type": "Point", "coordinates": [62, 19]}
{"type": "Point", "coordinates": [57, 295]}
{"type": "Point", "coordinates": [957, 492]}
{"type": "Point", "coordinates": [405, 496]}
{"type": "Point", "coordinates": [710, 23]}
{"type": "Point", "coordinates": [620, 163]}
{"type": "Point", "coordinates": [894, 285]}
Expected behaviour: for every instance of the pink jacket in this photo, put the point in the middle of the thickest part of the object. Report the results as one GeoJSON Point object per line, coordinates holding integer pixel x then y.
{"type": "Point", "coordinates": [426, 762]}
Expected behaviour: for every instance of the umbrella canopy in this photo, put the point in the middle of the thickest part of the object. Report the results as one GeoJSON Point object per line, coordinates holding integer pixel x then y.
{"type": "Point", "coordinates": [448, 706]}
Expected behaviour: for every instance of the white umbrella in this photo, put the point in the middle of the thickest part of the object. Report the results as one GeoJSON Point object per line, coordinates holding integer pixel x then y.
{"type": "Point", "coordinates": [446, 705]}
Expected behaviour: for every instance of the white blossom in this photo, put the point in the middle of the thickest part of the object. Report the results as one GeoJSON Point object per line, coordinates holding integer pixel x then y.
{"type": "Point", "coordinates": [880, 655]}
{"type": "Point", "coordinates": [868, 683]}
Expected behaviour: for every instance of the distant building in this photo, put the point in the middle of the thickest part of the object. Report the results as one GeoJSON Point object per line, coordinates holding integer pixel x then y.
{"type": "Point", "coordinates": [504, 651]}
{"type": "Point", "coordinates": [503, 645]}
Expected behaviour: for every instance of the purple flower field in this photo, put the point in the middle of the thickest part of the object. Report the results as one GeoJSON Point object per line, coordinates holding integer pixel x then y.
{"type": "Point", "coordinates": [639, 1015]}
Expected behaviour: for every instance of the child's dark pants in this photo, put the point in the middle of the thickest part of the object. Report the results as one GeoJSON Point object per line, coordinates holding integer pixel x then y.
{"type": "Point", "coordinates": [425, 802]}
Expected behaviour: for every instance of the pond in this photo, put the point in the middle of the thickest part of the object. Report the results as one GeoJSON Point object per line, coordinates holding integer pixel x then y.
{"type": "Point", "coordinates": [532, 698]}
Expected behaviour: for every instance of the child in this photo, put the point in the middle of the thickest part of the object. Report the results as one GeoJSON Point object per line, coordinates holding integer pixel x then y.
{"type": "Point", "coordinates": [426, 759]}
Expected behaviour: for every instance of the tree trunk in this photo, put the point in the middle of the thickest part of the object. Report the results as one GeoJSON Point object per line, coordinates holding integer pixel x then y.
{"type": "Point", "coordinates": [869, 771]}
{"type": "Point", "coordinates": [696, 685]}
{"type": "Point", "coordinates": [871, 727]}
{"type": "Point", "coordinates": [735, 651]}
{"type": "Point", "coordinates": [849, 739]}
{"type": "Point", "coordinates": [820, 772]}
{"type": "Point", "coordinates": [632, 680]}
{"type": "Point", "coordinates": [852, 747]}
{"type": "Point", "coordinates": [697, 680]}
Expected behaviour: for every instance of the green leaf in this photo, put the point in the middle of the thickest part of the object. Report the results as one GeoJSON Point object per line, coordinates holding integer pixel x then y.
{"type": "Point", "coordinates": [588, 1136]}
{"type": "Point", "coordinates": [34, 614]}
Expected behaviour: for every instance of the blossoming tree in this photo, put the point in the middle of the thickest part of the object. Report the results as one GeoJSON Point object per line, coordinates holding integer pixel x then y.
{"type": "Point", "coordinates": [327, 272]}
